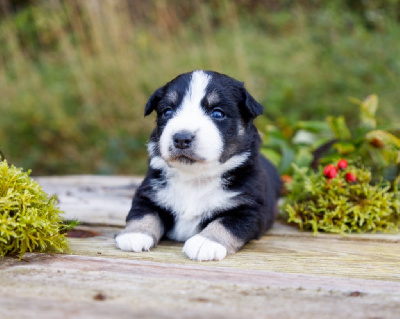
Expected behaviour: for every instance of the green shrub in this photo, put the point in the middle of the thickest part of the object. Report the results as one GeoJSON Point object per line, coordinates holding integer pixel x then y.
{"type": "Point", "coordinates": [337, 204]}
{"type": "Point", "coordinates": [29, 219]}
{"type": "Point", "coordinates": [310, 143]}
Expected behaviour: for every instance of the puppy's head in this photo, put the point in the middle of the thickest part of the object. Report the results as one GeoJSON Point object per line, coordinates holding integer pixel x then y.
{"type": "Point", "coordinates": [202, 117]}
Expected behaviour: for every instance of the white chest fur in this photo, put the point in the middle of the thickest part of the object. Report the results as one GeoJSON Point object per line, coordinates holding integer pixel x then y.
{"type": "Point", "coordinates": [191, 201]}
{"type": "Point", "coordinates": [194, 197]}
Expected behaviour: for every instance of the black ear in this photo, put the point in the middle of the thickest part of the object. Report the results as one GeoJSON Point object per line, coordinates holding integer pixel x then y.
{"type": "Point", "coordinates": [251, 106]}
{"type": "Point", "coordinates": [153, 101]}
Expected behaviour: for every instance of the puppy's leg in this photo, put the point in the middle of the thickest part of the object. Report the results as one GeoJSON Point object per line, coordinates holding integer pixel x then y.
{"type": "Point", "coordinates": [140, 234]}
{"type": "Point", "coordinates": [215, 241]}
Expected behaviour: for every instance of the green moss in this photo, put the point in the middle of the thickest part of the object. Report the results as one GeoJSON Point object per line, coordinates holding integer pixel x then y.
{"type": "Point", "coordinates": [337, 206]}
{"type": "Point", "coordinates": [29, 219]}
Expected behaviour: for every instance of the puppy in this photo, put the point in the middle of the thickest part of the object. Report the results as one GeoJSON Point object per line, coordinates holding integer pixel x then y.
{"type": "Point", "coordinates": [207, 184]}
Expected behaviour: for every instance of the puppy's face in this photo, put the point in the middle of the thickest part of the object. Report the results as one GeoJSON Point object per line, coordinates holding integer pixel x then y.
{"type": "Point", "coordinates": [202, 117]}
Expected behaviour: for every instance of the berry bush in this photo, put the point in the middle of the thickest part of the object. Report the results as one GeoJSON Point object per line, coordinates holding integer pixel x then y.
{"type": "Point", "coordinates": [341, 198]}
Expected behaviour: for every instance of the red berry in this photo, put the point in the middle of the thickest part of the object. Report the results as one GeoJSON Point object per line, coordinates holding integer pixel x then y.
{"type": "Point", "coordinates": [342, 164]}
{"type": "Point", "coordinates": [330, 171]}
{"type": "Point", "coordinates": [351, 178]}
{"type": "Point", "coordinates": [328, 168]}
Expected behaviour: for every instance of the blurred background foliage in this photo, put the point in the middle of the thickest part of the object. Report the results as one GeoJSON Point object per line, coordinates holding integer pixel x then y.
{"type": "Point", "coordinates": [75, 75]}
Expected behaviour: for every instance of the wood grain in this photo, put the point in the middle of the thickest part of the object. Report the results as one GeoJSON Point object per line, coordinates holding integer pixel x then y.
{"type": "Point", "coordinates": [285, 274]}
{"type": "Point", "coordinates": [288, 254]}
{"type": "Point", "coordinates": [102, 200]}
{"type": "Point", "coordinates": [63, 286]}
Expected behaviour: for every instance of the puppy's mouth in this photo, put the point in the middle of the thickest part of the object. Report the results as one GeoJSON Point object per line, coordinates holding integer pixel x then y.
{"type": "Point", "coordinates": [185, 157]}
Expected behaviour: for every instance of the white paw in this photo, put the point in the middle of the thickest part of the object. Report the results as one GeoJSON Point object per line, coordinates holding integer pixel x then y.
{"type": "Point", "coordinates": [200, 248]}
{"type": "Point", "coordinates": [136, 242]}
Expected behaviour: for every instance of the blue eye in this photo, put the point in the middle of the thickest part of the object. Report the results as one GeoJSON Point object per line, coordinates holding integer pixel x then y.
{"type": "Point", "coordinates": [217, 114]}
{"type": "Point", "coordinates": [167, 113]}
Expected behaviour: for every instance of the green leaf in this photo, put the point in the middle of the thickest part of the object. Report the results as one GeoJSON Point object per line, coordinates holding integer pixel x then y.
{"type": "Point", "coordinates": [339, 127]}
{"type": "Point", "coordinates": [313, 126]}
{"type": "Point", "coordinates": [304, 137]}
{"type": "Point", "coordinates": [386, 138]}
{"type": "Point", "coordinates": [287, 159]}
{"type": "Point", "coordinates": [272, 155]}
{"type": "Point", "coordinates": [344, 148]}
{"type": "Point", "coordinates": [304, 158]}
{"type": "Point", "coordinates": [368, 109]}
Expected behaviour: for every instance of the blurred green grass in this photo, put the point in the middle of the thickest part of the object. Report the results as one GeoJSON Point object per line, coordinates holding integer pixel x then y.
{"type": "Point", "coordinates": [75, 76]}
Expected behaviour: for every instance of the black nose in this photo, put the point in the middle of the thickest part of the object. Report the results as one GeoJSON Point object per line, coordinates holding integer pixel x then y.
{"type": "Point", "coordinates": [183, 140]}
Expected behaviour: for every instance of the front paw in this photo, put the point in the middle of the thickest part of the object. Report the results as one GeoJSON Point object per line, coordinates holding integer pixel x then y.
{"type": "Point", "coordinates": [136, 242]}
{"type": "Point", "coordinates": [200, 248]}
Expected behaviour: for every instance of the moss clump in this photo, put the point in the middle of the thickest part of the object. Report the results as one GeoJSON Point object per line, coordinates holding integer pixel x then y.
{"type": "Point", "coordinates": [341, 205]}
{"type": "Point", "coordinates": [29, 219]}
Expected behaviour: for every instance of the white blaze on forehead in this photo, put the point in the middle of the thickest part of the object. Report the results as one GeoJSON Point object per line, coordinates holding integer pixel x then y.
{"type": "Point", "coordinates": [190, 116]}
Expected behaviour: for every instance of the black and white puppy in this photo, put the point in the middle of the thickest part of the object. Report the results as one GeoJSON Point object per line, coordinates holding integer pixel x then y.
{"type": "Point", "coordinates": [207, 184]}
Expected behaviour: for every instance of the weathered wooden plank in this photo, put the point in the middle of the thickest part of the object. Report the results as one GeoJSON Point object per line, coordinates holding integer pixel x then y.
{"type": "Point", "coordinates": [105, 200]}
{"type": "Point", "coordinates": [287, 273]}
{"type": "Point", "coordinates": [50, 286]}
{"type": "Point", "coordinates": [92, 199]}
{"type": "Point", "coordinates": [298, 255]}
